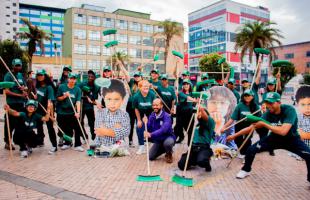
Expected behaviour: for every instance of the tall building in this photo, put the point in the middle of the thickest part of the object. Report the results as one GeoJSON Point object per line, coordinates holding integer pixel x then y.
{"type": "Point", "coordinates": [84, 40]}
{"type": "Point", "coordinates": [49, 19]}
{"type": "Point", "coordinates": [213, 29]}
{"type": "Point", "coordinates": [298, 53]}
{"type": "Point", "coordinates": [8, 19]}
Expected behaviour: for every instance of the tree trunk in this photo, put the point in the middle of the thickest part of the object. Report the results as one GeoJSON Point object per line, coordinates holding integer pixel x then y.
{"type": "Point", "coordinates": [166, 53]}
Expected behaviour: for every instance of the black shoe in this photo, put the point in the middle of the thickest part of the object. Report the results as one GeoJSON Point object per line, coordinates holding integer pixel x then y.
{"type": "Point", "coordinates": [7, 146]}
{"type": "Point", "coordinates": [208, 167]}
{"type": "Point", "coordinates": [271, 153]}
{"type": "Point", "coordinates": [180, 140]}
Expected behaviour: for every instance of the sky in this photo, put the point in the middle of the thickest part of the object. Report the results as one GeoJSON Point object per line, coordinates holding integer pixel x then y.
{"type": "Point", "coordinates": [292, 16]}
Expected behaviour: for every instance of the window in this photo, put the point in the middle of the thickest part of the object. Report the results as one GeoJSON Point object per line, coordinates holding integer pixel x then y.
{"type": "Point", "coordinates": [79, 34]}
{"type": "Point", "coordinates": [14, 4]}
{"type": "Point", "coordinates": [147, 54]}
{"type": "Point", "coordinates": [134, 39]}
{"type": "Point", "coordinates": [147, 41]}
{"type": "Point", "coordinates": [57, 14]}
{"type": "Point", "coordinates": [79, 19]}
{"type": "Point", "coordinates": [106, 51]}
{"type": "Point", "coordinates": [93, 64]}
{"type": "Point", "coordinates": [134, 26]}
{"type": "Point", "coordinates": [108, 38]}
{"type": "Point", "coordinates": [134, 66]}
{"type": "Point", "coordinates": [8, 7]}
{"type": "Point", "coordinates": [135, 53]}
{"type": "Point", "coordinates": [80, 48]}
{"type": "Point", "coordinates": [108, 22]}
{"type": "Point", "coordinates": [121, 38]}
{"type": "Point", "coordinates": [56, 28]}
{"type": "Point", "coordinates": [122, 50]}
{"type": "Point", "coordinates": [308, 64]}
{"type": "Point", "coordinates": [158, 29]}
{"type": "Point", "coordinates": [147, 28]}
{"type": "Point", "coordinates": [94, 50]}
{"type": "Point", "coordinates": [289, 55]}
{"type": "Point", "coordinates": [57, 21]}
{"type": "Point", "coordinates": [7, 15]}
{"type": "Point", "coordinates": [94, 20]}
{"type": "Point", "coordinates": [8, 24]}
{"type": "Point", "coordinates": [45, 20]}
{"type": "Point", "coordinates": [308, 54]}
{"type": "Point", "coordinates": [34, 19]}
{"type": "Point", "coordinates": [94, 35]}
{"type": "Point", "coordinates": [35, 12]}
{"type": "Point", "coordinates": [23, 10]}
{"type": "Point", "coordinates": [121, 24]}
{"type": "Point", "coordinates": [79, 64]}
{"type": "Point", "coordinates": [14, 29]}
{"type": "Point", "coordinates": [160, 42]}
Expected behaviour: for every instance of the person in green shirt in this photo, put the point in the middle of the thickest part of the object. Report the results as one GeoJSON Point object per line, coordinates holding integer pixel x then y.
{"type": "Point", "coordinates": [203, 85]}
{"type": "Point", "coordinates": [231, 86]}
{"type": "Point", "coordinates": [45, 96]}
{"type": "Point", "coordinates": [90, 93]}
{"type": "Point", "coordinates": [15, 98]}
{"type": "Point", "coordinates": [142, 103]}
{"type": "Point", "coordinates": [283, 125]}
{"type": "Point", "coordinates": [66, 117]}
{"type": "Point", "coordinates": [203, 136]}
{"type": "Point", "coordinates": [185, 75]}
{"type": "Point", "coordinates": [64, 76]}
{"type": "Point", "coordinates": [184, 112]}
{"type": "Point", "coordinates": [24, 134]}
{"type": "Point", "coordinates": [167, 93]}
{"type": "Point", "coordinates": [155, 78]}
{"type": "Point", "coordinates": [272, 84]}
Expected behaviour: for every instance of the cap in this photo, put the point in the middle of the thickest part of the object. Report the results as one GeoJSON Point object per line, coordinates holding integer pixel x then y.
{"type": "Point", "coordinates": [106, 68]}
{"type": "Point", "coordinates": [164, 76]}
{"type": "Point", "coordinates": [91, 72]}
{"type": "Point", "coordinates": [187, 81]}
{"type": "Point", "coordinates": [249, 92]}
{"type": "Point", "coordinates": [244, 80]}
{"type": "Point", "coordinates": [155, 70]}
{"type": "Point", "coordinates": [72, 75]}
{"type": "Point", "coordinates": [231, 80]}
{"type": "Point", "coordinates": [41, 71]}
{"type": "Point", "coordinates": [137, 73]}
{"type": "Point", "coordinates": [205, 75]}
{"type": "Point", "coordinates": [67, 68]}
{"type": "Point", "coordinates": [16, 61]}
{"type": "Point", "coordinates": [186, 73]}
{"type": "Point", "coordinates": [32, 102]}
{"type": "Point", "coordinates": [272, 97]}
{"type": "Point", "coordinates": [271, 81]}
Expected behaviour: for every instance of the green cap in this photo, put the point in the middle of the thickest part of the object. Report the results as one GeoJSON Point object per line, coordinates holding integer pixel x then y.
{"type": "Point", "coordinates": [272, 97]}
{"type": "Point", "coordinates": [205, 75]}
{"type": "Point", "coordinates": [106, 68]}
{"type": "Point", "coordinates": [32, 102]}
{"type": "Point", "coordinates": [187, 81]}
{"type": "Point", "coordinates": [16, 61]}
{"type": "Point", "coordinates": [164, 76]}
{"type": "Point", "coordinates": [72, 75]}
{"type": "Point", "coordinates": [67, 68]}
{"type": "Point", "coordinates": [156, 71]}
{"type": "Point", "coordinates": [249, 92]}
{"type": "Point", "coordinates": [85, 88]}
{"type": "Point", "coordinates": [231, 80]}
{"type": "Point", "coordinates": [41, 71]}
{"type": "Point", "coordinates": [272, 81]}
{"type": "Point", "coordinates": [244, 80]}
{"type": "Point", "coordinates": [186, 73]}
{"type": "Point", "coordinates": [137, 73]}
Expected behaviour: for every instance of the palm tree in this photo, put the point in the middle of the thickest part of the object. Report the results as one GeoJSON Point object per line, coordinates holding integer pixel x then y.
{"type": "Point", "coordinates": [118, 58]}
{"type": "Point", "coordinates": [170, 29]}
{"type": "Point", "coordinates": [257, 35]}
{"type": "Point", "coordinates": [35, 36]}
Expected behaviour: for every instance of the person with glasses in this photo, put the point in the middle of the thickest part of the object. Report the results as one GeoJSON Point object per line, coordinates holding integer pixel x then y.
{"type": "Point", "coordinates": [167, 94]}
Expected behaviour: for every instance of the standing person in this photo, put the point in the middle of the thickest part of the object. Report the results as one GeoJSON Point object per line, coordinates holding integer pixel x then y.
{"type": "Point", "coordinates": [15, 98]}
{"type": "Point", "coordinates": [155, 78]}
{"type": "Point", "coordinates": [203, 85]}
{"type": "Point", "coordinates": [284, 134]}
{"type": "Point", "coordinates": [142, 103]}
{"type": "Point", "coordinates": [134, 88]}
{"type": "Point", "coordinates": [272, 83]}
{"type": "Point", "coordinates": [232, 87]}
{"type": "Point", "coordinates": [184, 112]}
{"type": "Point", "coordinates": [167, 93]}
{"type": "Point", "coordinates": [160, 132]}
{"type": "Point", "coordinates": [90, 93]}
{"type": "Point", "coordinates": [185, 75]}
{"type": "Point", "coordinates": [45, 97]}
{"type": "Point", "coordinates": [66, 118]}
{"type": "Point", "coordinates": [30, 82]}
{"type": "Point", "coordinates": [64, 76]}
{"type": "Point", "coordinates": [246, 107]}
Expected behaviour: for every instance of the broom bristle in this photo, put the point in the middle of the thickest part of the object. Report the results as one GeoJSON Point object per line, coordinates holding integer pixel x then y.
{"type": "Point", "coordinates": [144, 178]}
{"type": "Point", "coordinates": [181, 180]}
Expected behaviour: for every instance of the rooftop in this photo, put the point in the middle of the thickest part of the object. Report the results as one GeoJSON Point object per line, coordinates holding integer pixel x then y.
{"type": "Point", "coordinates": [294, 44]}
{"type": "Point", "coordinates": [46, 8]}
{"type": "Point", "coordinates": [131, 13]}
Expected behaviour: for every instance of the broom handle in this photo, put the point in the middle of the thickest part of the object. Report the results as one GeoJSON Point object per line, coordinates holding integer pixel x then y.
{"type": "Point", "coordinates": [222, 66]}
{"type": "Point", "coordinates": [161, 99]}
{"type": "Point", "coordinates": [258, 63]}
{"type": "Point", "coordinates": [8, 127]}
{"type": "Point", "coordinates": [147, 152]}
{"type": "Point", "coordinates": [277, 85]}
{"type": "Point", "coordinates": [241, 120]}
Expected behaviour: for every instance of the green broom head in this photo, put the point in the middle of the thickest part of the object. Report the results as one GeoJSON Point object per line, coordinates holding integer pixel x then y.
{"type": "Point", "coordinates": [7, 84]}
{"type": "Point", "coordinates": [156, 57]}
{"type": "Point", "coordinates": [177, 54]}
{"type": "Point", "coordinates": [109, 32]}
{"type": "Point", "coordinates": [262, 51]}
{"type": "Point", "coordinates": [144, 178]}
{"type": "Point", "coordinates": [221, 61]}
{"type": "Point", "coordinates": [85, 88]}
{"type": "Point", "coordinates": [111, 44]}
{"type": "Point", "coordinates": [232, 72]}
{"type": "Point", "coordinates": [103, 82]}
{"type": "Point", "coordinates": [197, 95]}
{"type": "Point", "coordinates": [67, 138]}
{"type": "Point", "coordinates": [281, 63]}
{"type": "Point", "coordinates": [90, 152]}
{"type": "Point", "coordinates": [254, 119]}
{"type": "Point", "coordinates": [181, 180]}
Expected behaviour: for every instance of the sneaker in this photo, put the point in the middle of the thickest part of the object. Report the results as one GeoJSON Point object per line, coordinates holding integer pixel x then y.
{"type": "Point", "coordinates": [141, 150]}
{"type": "Point", "coordinates": [131, 144]}
{"type": "Point", "coordinates": [64, 147]}
{"type": "Point", "coordinates": [242, 174]}
{"type": "Point", "coordinates": [24, 154]}
{"type": "Point", "coordinates": [169, 158]}
{"type": "Point", "coordinates": [61, 142]}
{"type": "Point", "coordinates": [79, 148]}
{"type": "Point", "coordinates": [240, 156]}
{"type": "Point", "coordinates": [271, 153]}
{"type": "Point", "coordinates": [52, 151]}
{"type": "Point", "coordinates": [7, 146]}
{"type": "Point", "coordinates": [83, 141]}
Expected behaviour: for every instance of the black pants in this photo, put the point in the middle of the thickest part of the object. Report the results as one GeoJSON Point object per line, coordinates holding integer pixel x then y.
{"type": "Point", "coordinates": [200, 155]}
{"type": "Point", "coordinates": [13, 121]}
{"type": "Point", "coordinates": [25, 138]}
{"type": "Point", "coordinates": [263, 133]}
{"type": "Point", "coordinates": [68, 123]}
{"type": "Point", "coordinates": [273, 141]}
{"type": "Point", "coordinates": [239, 140]}
{"type": "Point", "coordinates": [132, 116]}
{"type": "Point", "coordinates": [90, 114]}
{"type": "Point", "coordinates": [51, 133]}
{"type": "Point", "coordinates": [182, 122]}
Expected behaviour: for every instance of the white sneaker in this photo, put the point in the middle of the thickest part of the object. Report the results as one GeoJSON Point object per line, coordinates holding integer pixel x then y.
{"type": "Point", "coordinates": [240, 156]}
{"type": "Point", "coordinates": [24, 154]}
{"type": "Point", "coordinates": [52, 151]}
{"type": "Point", "coordinates": [242, 174]}
{"type": "Point", "coordinates": [79, 148]}
{"type": "Point", "coordinates": [83, 141]}
{"type": "Point", "coordinates": [243, 161]}
{"type": "Point", "coordinates": [64, 147]}
{"type": "Point", "coordinates": [141, 150]}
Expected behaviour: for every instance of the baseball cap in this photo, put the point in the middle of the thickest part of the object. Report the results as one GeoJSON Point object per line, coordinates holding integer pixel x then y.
{"type": "Point", "coordinates": [67, 68]}
{"type": "Point", "coordinates": [244, 80]}
{"type": "Point", "coordinates": [41, 71]}
{"type": "Point", "coordinates": [272, 97]}
{"type": "Point", "coordinates": [249, 92]}
{"type": "Point", "coordinates": [271, 81]}
{"type": "Point", "coordinates": [164, 76]}
{"type": "Point", "coordinates": [187, 81]}
{"type": "Point", "coordinates": [16, 61]}
{"type": "Point", "coordinates": [205, 75]}
{"type": "Point", "coordinates": [137, 73]}
{"type": "Point", "coordinates": [155, 70]}
{"type": "Point", "coordinates": [32, 102]}
{"type": "Point", "coordinates": [72, 75]}
{"type": "Point", "coordinates": [106, 68]}
{"type": "Point", "coordinates": [186, 73]}
{"type": "Point", "coordinates": [231, 80]}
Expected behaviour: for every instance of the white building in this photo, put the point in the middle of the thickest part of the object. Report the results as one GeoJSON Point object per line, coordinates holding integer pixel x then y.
{"type": "Point", "coordinates": [9, 16]}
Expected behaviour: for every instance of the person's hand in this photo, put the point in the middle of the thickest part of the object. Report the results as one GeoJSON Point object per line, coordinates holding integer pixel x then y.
{"type": "Point", "coordinates": [77, 115]}
{"type": "Point", "coordinates": [24, 94]}
{"type": "Point", "coordinates": [139, 68]}
{"type": "Point", "coordinates": [260, 59]}
{"type": "Point", "coordinates": [259, 124]}
{"type": "Point", "coordinates": [139, 123]}
{"type": "Point", "coordinates": [22, 88]}
{"type": "Point", "coordinates": [6, 107]}
{"type": "Point", "coordinates": [100, 131]}
{"type": "Point", "coordinates": [89, 100]}
{"type": "Point", "coordinates": [147, 134]}
{"type": "Point", "coordinates": [230, 138]}
{"type": "Point", "coordinates": [264, 108]}
{"type": "Point", "coordinates": [172, 111]}
{"type": "Point", "coordinates": [35, 96]}
{"type": "Point", "coordinates": [222, 130]}
{"type": "Point", "coordinates": [117, 125]}
{"type": "Point", "coordinates": [99, 106]}
{"type": "Point", "coordinates": [144, 119]}
{"type": "Point", "coordinates": [66, 95]}
{"type": "Point", "coordinates": [278, 75]}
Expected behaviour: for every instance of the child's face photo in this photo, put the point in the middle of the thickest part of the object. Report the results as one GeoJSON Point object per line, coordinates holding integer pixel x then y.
{"type": "Point", "coordinates": [218, 105]}
{"type": "Point", "coordinates": [304, 106]}
{"type": "Point", "coordinates": [113, 101]}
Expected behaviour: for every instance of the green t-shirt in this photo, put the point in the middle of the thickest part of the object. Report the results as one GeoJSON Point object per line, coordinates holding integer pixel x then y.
{"type": "Point", "coordinates": [133, 89]}
{"type": "Point", "coordinates": [29, 122]}
{"type": "Point", "coordinates": [64, 107]}
{"type": "Point", "coordinates": [157, 84]}
{"type": "Point", "coordinates": [237, 95]}
{"type": "Point", "coordinates": [183, 104]}
{"type": "Point", "coordinates": [92, 94]}
{"type": "Point", "coordinates": [44, 94]}
{"type": "Point", "coordinates": [255, 90]}
{"type": "Point", "coordinates": [204, 132]}
{"type": "Point", "coordinates": [240, 112]}
{"type": "Point", "coordinates": [143, 104]}
{"type": "Point", "coordinates": [167, 94]}
{"type": "Point", "coordinates": [287, 115]}
{"type": "Point", "coordinates": [12, 99]}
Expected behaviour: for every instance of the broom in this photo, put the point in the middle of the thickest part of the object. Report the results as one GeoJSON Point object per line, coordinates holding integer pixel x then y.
{"type": "Point", "coordinates": [148, 177]}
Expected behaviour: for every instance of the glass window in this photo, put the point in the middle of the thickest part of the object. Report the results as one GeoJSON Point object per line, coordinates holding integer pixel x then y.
{"type": "Point", "coordinates": [45, 13]}
{"type": "Point", "coordinates": [134, 26]}
{"type": "Point", "coordinates": [134, 66]}
{"type": "Point", "coordinates": [147, 41]}
{"type": "Point", "coordinates": [160, 42]}
{"type": "Point", "coordinates": [106, 51]}
{"type": "Point", "coordinates": [94, 35]}
{"type": "Point", "coordinates": [158, 29]}
{"type": "Point", "coordinates": [23, 10]}
{"type": "Point", "coordinates": [79, 64]}
{"type": "Point", "coordinates": [308, 64]}
{"type": "Point", "coordinates": [147, 28]}
{"type": "Point", "coordinates": [108, 22]}
{"type": "Point", "coordinates": [79, 19]}
{"type": "Point", "coordinates": [93, 64]}
{"type": "Point", "coordinates": [121, 38]}
{"type": "Point", "coordinates": [79, 34]}
{"type": "Point", "coordinates": [135, 53]}
{"type": "Point", "coordinates": [57, 21]}
{"type": "Point", "coordinates": [93, 20]}
{"type": "Point", "coordinates": [133, 39]}
{"type": "Point", "coordinates": [45, 20]}
{"type": "Point", "coordinates": [34, 19]}
{"type": "Point", "coordinates": [57, 14]}
{"type": "Point", "coordinates": [80, 48]}
{"type": "Point", "coordinates": [93, 50]}
{"type": "Point", "coordinates": [108, 38]}
{"type": "Point", "coordinates": [147, 54]}
{"type": "Point", "coordinates": [289, 55]}
{"type": "Point", "coordinates": [35, 12]}
{"type": "Point", "coordinates": [121, 24]}
{"type": "Point", "coordinates": [308, 54]}
{"type": "Point", "coordinates": [56, 28]}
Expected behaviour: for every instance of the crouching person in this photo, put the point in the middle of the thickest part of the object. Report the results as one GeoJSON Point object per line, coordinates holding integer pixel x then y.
{"type": "Point", "coordinates": [200, 152]}
{"type": "Point", "coordinates": [160, 132]}
{"type": "Point", "coordinates": [24, 134]}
